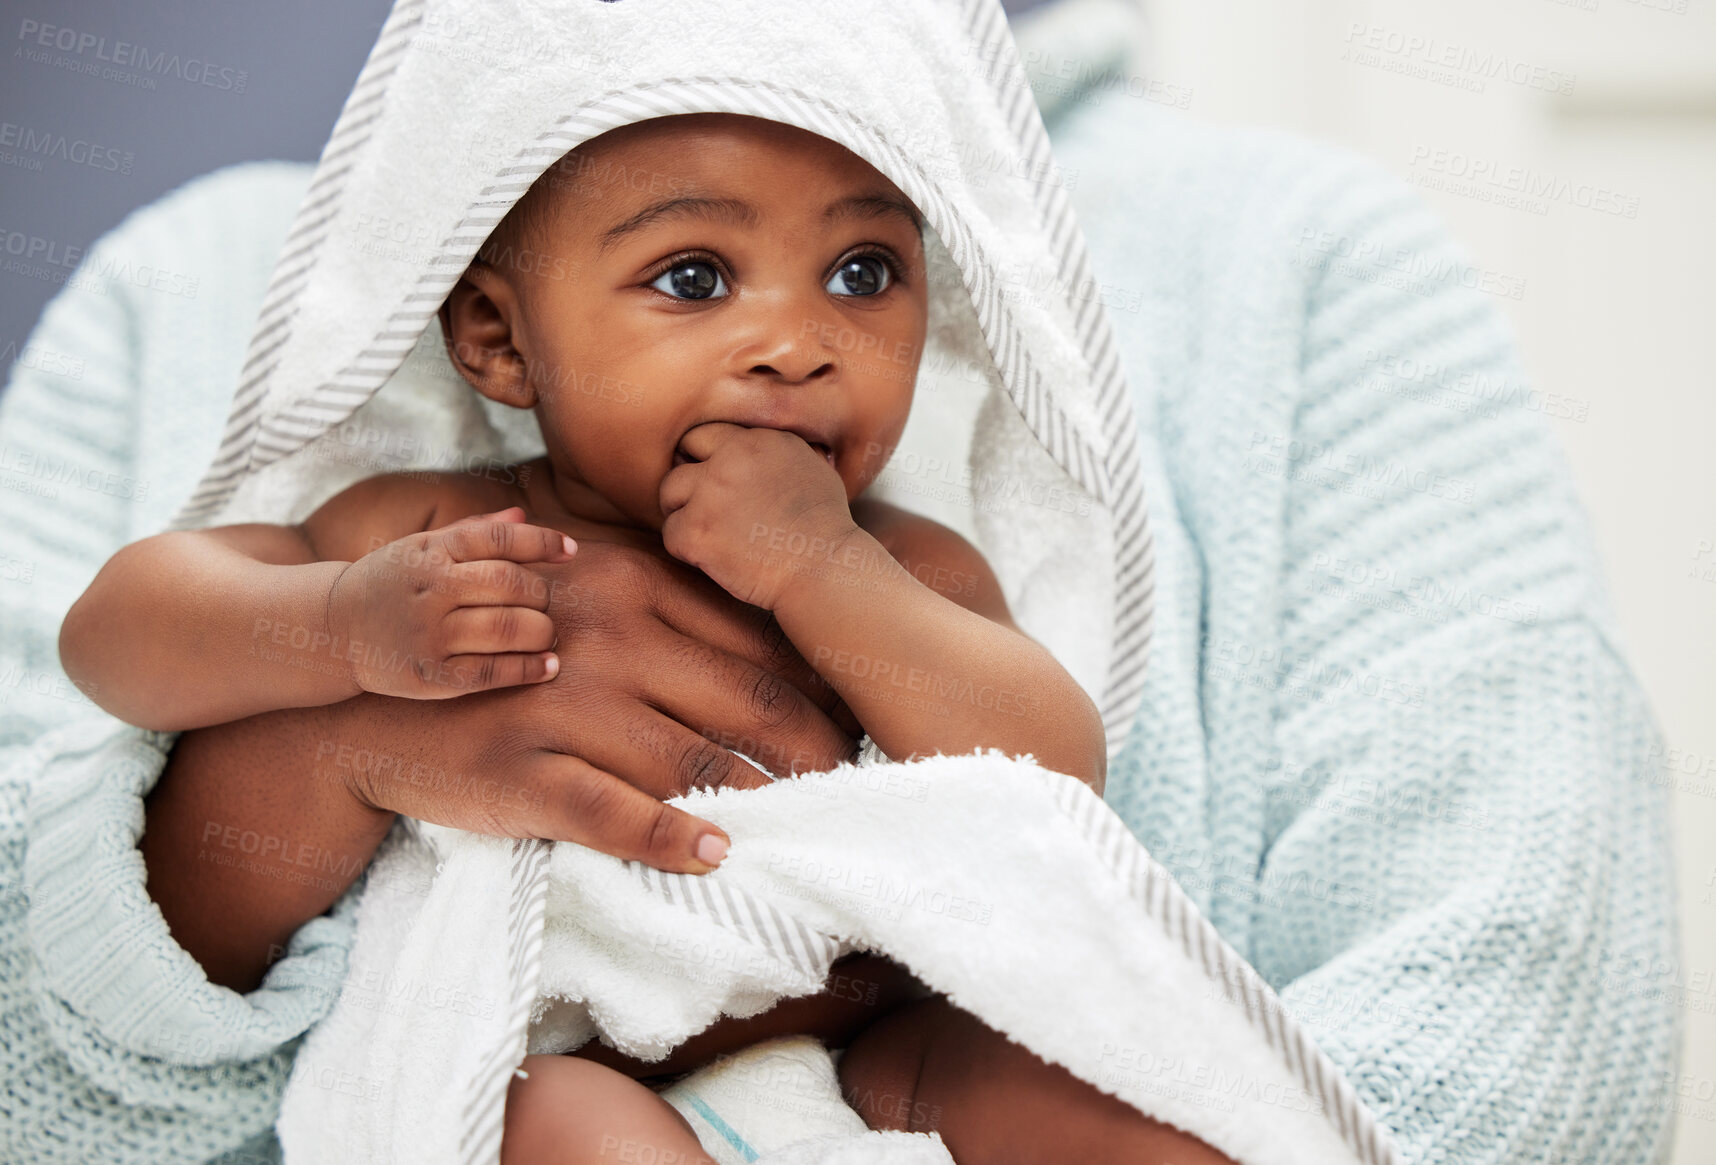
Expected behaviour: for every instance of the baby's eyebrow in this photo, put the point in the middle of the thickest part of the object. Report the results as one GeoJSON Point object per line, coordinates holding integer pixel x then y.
{"type": "Point", "coordinates": [872, 206]}
{"type": "Point", "coordinates": [731, 209]}
{"type": "Point", "coordinates": [742, 213]}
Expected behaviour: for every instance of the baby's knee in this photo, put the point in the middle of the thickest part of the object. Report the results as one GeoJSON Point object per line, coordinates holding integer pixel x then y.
{"type": "Point", "coordinates": [571, 1111]}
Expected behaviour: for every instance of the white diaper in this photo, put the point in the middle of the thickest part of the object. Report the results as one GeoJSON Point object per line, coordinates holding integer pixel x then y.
{"type": "Point", "coordinates": [779, 1101]}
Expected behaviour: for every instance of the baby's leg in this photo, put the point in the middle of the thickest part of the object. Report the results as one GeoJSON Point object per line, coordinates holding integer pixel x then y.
{"type": "Point", "coordinates": [575, 1112]}
{"type": "Point", "coordinates": [932, 1067]}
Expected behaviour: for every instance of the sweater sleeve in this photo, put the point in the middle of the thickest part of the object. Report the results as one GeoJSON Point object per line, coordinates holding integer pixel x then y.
{"type": "Point", "coordinates": [114, 405]}
{"type": "Point", "coordinates": [113, 1043]}
{"type": "Point", "coordinates": [65, 420]}
{"type": "Point", "coordinates": [1465, 887]}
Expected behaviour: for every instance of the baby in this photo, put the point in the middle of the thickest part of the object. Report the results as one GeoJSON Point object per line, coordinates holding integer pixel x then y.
{"type": "Point", "coordinates": [742, 445]}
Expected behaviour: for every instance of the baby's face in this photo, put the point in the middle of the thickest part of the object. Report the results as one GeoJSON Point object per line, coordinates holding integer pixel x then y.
{"type": "Point", "coordinates": [696, 269]}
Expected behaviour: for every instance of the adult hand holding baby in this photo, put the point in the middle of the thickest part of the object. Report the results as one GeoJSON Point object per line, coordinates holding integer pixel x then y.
{"type": "Point", "coordinates": [661, 675]}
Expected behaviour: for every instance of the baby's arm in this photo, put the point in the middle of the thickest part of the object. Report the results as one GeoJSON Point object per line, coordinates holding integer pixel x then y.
{"type": "Point", "coordinates": [909, 624]}
{"type": "Point", "coordinates": [193, 628]}
{"type": "Point", "coordinates": [767, 518]}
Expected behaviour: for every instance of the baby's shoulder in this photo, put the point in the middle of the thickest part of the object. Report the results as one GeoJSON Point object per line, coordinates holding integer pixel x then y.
{"type": "Point", "coordinates": [383, 509]}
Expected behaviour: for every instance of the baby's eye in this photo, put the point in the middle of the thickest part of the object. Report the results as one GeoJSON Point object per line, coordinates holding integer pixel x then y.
{"type": "Point", "coordinates": [692, 280]}
{"type": "Point", "coordinates": [861, 275]}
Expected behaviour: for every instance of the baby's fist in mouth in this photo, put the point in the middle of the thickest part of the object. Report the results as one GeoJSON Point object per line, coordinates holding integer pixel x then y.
{"type": "Point", "coordinates": [736, 496]}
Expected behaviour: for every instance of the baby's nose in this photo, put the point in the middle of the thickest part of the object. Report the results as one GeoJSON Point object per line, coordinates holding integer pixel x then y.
{"type": "Point", "coordinates": [794, 353]}
{"type": "Point", "coordinates": [794, 369]}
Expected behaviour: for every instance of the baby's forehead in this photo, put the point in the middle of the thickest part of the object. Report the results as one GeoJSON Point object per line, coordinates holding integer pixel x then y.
{"type": "Point", "coordinates": [697, 156]}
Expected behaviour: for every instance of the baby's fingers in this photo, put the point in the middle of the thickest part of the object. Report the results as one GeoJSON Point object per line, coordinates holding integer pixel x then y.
{"type": "Point", "coordinates": [504, 535]}
{"type": "Point", "coordinates": [494, 630]}
{"type": "Point", "coordinates": [480, 673]}
{"type": "Point", "coordinates": [494, 583]}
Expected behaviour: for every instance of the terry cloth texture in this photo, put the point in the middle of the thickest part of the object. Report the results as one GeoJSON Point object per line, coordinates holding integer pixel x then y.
{"type": "Point", "coordinates": [1459, 919]}
{"type": "Point", "coordinates": [998, 884]}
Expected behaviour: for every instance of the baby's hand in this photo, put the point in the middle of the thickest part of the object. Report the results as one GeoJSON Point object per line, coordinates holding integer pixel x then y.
{"type": "Point", "coordinates": [754, 510]}
{"type": "Point", "coordinates": [450, 611]}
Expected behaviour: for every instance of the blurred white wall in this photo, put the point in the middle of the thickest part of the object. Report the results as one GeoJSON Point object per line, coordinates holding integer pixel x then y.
{"type": "Point", "coordinates": [1617, 97]}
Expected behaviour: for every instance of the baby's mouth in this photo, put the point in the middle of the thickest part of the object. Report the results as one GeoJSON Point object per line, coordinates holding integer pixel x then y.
{"type": "Point", "coordinates": [827, 454]}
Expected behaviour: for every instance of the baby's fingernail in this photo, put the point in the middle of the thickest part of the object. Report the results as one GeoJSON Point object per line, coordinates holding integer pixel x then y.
{"type": "Point", "coordinates": [570, 546]}
{"type": "Point", "coordinates": [551, 665]}
{"type": "Point", "coordinates": [711, 848]}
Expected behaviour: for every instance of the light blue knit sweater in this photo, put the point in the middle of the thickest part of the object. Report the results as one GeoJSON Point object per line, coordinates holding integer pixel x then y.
{"type": "Point", "coordinates": [1389, 741]}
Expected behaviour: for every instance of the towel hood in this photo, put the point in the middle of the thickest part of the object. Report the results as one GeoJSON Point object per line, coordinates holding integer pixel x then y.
{"type": "Point", "coordinates": [1025, 436]}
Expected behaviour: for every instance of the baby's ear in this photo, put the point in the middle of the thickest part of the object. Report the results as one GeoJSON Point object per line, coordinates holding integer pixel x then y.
{"type": "Point", "coordinates": [477, 323]}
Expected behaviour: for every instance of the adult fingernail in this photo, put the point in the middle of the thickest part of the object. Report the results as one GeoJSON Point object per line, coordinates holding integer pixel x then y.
{"type": "Point", "coordinates": [551, 665]}
{"type": "Point", "coordinates": [571, 546]}
{"type": "Point", "coordinates": [711, 848]}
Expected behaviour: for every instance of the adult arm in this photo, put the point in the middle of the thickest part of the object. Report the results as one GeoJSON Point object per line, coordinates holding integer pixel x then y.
{"type": "Point", "coordinates": [1482, 784]}
{"type": "Point", "coordinates": [1416, 787]}
{"type": "Point", "coordinates": [262, 824]}
{"type": "Point", "coordinates": [114, 404]}
{"type": "Point", "coordinates": [111, 409]}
